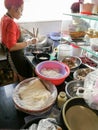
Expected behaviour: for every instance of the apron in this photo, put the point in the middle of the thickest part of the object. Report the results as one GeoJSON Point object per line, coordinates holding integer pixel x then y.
{"type": "Point", "coordinates": [19, 63]}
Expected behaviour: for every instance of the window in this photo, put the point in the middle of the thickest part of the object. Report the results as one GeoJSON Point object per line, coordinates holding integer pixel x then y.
{"type": "Point", "coordinates": [42, 10]}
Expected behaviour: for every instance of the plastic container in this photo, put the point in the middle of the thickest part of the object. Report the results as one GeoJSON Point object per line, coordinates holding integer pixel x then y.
{"type": "Point", "coordinates": [64, 50]}
{"type": "Point", "coordinates": [61, 99]}
{"type": "Point", "coordinates": [90, 96]}
{"type": "Point", "coordinates": [63, 69]}
{"type": "Point", "coordinates": [90, 90]}
{"type": "Point", "coordinates": [86, 8]}
{"type": "Point", "coordinates": [95, 8]}
{"type": "Point", "coordinates": [55, 36]}
{"type": "Point", "coordinates": [94, 44]}
{"type": "Point", "coordinates": [76, 51]}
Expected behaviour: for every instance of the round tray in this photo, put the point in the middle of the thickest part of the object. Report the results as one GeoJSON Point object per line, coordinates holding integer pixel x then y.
{"type": "Point", "coordinates": [39, 110]}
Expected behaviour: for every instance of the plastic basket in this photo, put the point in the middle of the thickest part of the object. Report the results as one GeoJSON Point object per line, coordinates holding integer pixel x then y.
{"type": "Point", "coordinates": [63, 69]}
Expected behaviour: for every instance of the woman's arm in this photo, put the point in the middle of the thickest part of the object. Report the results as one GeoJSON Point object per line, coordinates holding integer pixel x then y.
{"type": "Point", "coordinates": [18, 46]}
{"type": "Point", "coordinates": [21, 45]}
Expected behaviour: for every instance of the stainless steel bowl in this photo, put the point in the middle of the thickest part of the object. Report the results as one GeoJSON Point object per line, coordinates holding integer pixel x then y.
{"type": "Point", "coordinates": [80, 74]}
{"type": "Point", "coordinates": [72, 86]}
{"type": "Point", "coordinates": [72, 61]}
{"type": "Point", "coordinates": [42, 57]}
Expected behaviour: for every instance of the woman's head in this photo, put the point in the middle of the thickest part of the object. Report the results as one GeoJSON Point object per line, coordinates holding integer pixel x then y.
{"type": "Point", "coordinates": [14, 7]}
{"type": "Point", "coordinates": [75, 7]}
{"type": "Point", "coordinates": [13, 3]}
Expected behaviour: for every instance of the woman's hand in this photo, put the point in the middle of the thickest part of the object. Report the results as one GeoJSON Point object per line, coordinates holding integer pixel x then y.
{"type": "Point", "coordinates": [31, 41]}
{"type": "Point", "coordinates": [34, 40]}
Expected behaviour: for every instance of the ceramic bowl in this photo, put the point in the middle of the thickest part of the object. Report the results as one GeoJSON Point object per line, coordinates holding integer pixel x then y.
{"type": "Point", "coordinates": [78, 116]}
{"type": "Point", "coordinates": [55, 36]}
{"type": "Point", "coordinates": [42, 57]}
{"type": "Point", "coordinates": [36, 51]}
{"type": "Point", "coordinates": [77, 35]}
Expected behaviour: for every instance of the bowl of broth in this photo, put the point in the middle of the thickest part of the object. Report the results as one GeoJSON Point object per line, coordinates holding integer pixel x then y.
{"type": "Point", "coordinates": [78, 116]}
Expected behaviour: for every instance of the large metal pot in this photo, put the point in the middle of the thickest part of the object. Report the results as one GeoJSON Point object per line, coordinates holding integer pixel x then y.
{"type": "Point", "coordinates": [25, 35]}
{"type": "Point", "coordinates": [46, 48]}
{"type": "Point", "coordinates": [42, 41]}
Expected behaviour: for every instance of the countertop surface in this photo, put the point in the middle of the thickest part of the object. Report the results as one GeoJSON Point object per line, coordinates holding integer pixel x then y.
{"type": "Point", "coordinates": [11, 117]}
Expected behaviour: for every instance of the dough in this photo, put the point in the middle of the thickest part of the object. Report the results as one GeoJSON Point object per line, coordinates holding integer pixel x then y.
{"type": "Point", "coordinates": [34, 95]}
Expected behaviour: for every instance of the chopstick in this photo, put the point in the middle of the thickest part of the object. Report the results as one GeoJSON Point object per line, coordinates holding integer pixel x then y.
{"type": "Point", "coordinates": [35, 32]}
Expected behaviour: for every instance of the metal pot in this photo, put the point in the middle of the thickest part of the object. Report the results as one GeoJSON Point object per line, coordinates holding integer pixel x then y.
{"type": "Point", "coordinates": [46, 48]}
{"type": "Point", "coordinates": [42, 41]}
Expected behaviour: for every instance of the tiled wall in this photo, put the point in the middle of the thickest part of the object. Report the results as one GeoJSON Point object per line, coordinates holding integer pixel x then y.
{"type": "Point", "coordinates": [44, 27]}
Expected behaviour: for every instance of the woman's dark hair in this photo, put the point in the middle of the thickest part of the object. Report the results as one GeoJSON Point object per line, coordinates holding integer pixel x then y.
{"type": "Point", "coordinates": [75, 7]}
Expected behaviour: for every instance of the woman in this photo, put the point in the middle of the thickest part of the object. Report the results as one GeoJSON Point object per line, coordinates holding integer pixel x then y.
{"type": "Point", "coordinates": [11, 39]}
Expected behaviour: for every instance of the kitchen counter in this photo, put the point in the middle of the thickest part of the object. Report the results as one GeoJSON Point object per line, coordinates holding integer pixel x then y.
{"type": "Point", "coordinates": [11, 118]}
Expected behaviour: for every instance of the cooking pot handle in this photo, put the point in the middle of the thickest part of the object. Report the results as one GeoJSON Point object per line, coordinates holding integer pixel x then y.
{"type": "Point", "coordinates": [80, 92]}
